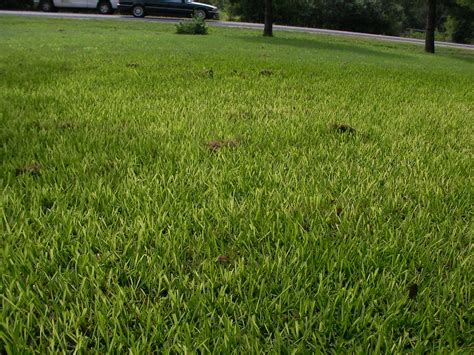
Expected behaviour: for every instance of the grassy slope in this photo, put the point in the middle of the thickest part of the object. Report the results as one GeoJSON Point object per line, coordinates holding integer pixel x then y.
{"type": "Point", "coordinates": [115, 244]}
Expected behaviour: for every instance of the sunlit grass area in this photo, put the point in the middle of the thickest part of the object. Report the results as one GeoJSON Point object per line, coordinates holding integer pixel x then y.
{"type": "Point", "coordinates": [232, 193]}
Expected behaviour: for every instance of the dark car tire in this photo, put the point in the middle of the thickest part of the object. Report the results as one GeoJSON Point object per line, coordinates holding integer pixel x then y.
{"type": "Point", "coordinates": [104, 8]}
{"type": "Point", "coordinates": [200, 14]}
{"type": "Point", "coordinates": [46, 6]}
{"type": "Point", "coordinates": [138, 11]}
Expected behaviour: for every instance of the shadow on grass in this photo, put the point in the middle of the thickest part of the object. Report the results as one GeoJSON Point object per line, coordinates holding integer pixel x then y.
{"type": "Point", "coordinates": [323, 45]}
{"type": "Point", "coordinates": [37, 73]}
{"type": "Point", "coordinates": [464, 56]}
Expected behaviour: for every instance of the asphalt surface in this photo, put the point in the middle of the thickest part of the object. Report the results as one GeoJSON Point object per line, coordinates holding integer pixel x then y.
{"type": "Point", "coordinates": [231, 24]}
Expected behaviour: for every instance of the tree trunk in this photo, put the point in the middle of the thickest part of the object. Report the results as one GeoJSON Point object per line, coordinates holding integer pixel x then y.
{"type": "Point", "coordinates": [430, 27]}
{"type": "Point", "coordinates": [268, 29]}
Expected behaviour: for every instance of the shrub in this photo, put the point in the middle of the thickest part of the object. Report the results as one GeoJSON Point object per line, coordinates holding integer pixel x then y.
{"type": "Point", "coordinates": [196, 26]}
{"type": "Point", "coordinates": [460, 28]}
{"type": "Point", "coordinates": [16, 4]}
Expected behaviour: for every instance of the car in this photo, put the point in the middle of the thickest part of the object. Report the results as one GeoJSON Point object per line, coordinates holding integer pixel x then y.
{"type": "Point", "coordinates": [103, 6]}
{"type": "Point", "coordinates": [179, 8]}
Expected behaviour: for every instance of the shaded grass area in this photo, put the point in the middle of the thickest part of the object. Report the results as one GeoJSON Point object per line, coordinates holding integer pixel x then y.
{"type": "Point", "coordinates": [192, 193]}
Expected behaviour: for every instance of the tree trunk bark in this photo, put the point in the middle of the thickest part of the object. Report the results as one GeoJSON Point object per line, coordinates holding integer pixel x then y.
{"type": "Point", "coordinates": [268, 29]}
{"type": "Point", "coordinates": [430, 27]}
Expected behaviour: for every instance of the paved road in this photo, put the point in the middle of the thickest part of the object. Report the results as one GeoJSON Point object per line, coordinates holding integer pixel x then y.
{"type": "Point", "coordinates": [232, 24]}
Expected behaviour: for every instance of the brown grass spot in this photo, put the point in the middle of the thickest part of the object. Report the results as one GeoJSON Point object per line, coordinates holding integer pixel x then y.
{"type": "Point", "coordinates": [66, 125]}
{"type": "Point", "coordinates": [266, 72]}
{"type": "Point", "coordinates": [240, 74]}
{"type": "Point", "coordinates": [39, 126]}
{"type": "Point", "coordinates": [208, 73]}
{"type": "Point", "coordinates": [223, 259]}
{"type": "Point", "coordinates": [218, 144]}
{"type": "Point", "coordinates": [46, 204]}
{"type": "Point", "coordinates": [33, 169]}
{"type": "Point", "coordinates": [291, 316]}
{"type": "Point", "coordinates": [343, 128]}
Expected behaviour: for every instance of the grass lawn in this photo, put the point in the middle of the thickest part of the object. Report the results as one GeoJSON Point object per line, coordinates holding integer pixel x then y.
{"type": "Point", "coordinates": [164, 192]}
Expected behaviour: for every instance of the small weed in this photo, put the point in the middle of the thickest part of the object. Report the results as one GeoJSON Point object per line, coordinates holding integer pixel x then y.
{"type": "Point", "coordinates": [196, 26]}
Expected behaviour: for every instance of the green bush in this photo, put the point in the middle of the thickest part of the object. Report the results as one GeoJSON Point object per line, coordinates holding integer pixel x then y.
{"type": "Point", "coordinates": [460, 28]}
{"type": "Point", "coordinates": [196, 26]}
{"type": "Point", "coordinates": [16, 4]}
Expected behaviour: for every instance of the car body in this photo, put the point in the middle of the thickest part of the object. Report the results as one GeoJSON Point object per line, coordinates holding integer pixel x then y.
{"type": "Point", "coordinates": [102, 6]}
{"type": "Point", "coordinates": [179, 8]}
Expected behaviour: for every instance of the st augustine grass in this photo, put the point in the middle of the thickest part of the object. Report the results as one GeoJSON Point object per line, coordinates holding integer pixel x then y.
{"type": "Point", "coordinates": [192, 194]}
